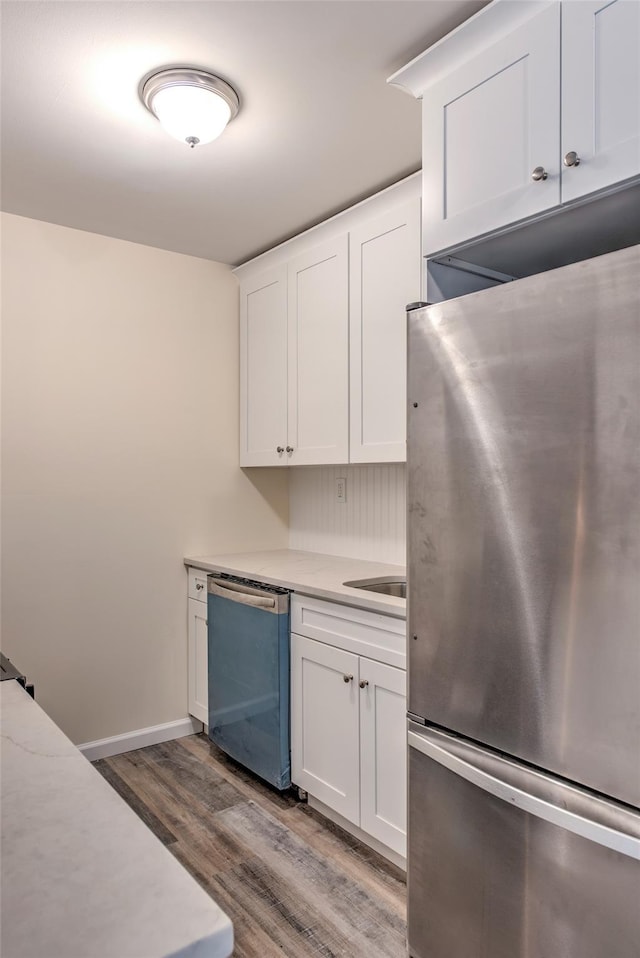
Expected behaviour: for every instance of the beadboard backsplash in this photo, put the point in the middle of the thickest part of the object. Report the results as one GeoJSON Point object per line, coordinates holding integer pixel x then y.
{"type": "Point", "coordinates": [371, 524]}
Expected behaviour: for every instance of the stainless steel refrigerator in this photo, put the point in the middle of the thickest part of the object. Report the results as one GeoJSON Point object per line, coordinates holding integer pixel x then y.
{"type": "Point", "coordinates": [524, 618]}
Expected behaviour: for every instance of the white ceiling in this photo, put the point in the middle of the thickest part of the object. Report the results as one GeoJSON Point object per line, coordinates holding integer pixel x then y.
{"type": "Point", "coordinates": [318, 128]}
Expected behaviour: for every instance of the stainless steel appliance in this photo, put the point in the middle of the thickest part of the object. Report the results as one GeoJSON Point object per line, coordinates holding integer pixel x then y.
{"type": "Point", "coordinates": [524, 618]}
{"type": "Point", "coordinates": [248, 672]}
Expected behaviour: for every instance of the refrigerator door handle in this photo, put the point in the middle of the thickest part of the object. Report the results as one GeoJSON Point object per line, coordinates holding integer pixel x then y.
{"type": "Point", "coordinates": [593, 826]}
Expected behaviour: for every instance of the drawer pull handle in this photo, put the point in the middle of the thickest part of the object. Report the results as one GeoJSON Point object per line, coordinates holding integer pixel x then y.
{"type": "Point", "coordinates": [199, 586]}
{"type": "Point", "coordinates": [364, 683]}
{"type": "Point", "coordinates": [279, 450]}
{"type": "Point", "coordinates": [539, 174]}
{"type": "Point", "coordinates": [347, 678]}
{"type": "Point", "coordinates": [571, 159]}
{"type": "Point", "coordinates": [289, 449]}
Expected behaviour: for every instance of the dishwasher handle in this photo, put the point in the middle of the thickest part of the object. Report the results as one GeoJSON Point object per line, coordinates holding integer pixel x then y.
{"type": "Point", "coordinates": [238, 593]}
{"type": "Point", "coordinates": [268, 598]}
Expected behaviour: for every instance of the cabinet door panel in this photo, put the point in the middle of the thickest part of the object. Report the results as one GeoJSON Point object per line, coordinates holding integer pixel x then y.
{"type": "Point", "coordinates": [319, 355]}
{"type": "Point", "coordinates": [384, 265]}
{"type": "Point", "coordinates": [263, 369]}
{"type": "Point", "coordinates": [324, 724]}
{"type": "Point", "coordinates": [383, 751]}
{"type": "Point", "coordinates": [486, 126]}
{"type": "Point", "coordinates": [197, 657]}
{"type": "Point", "coordinates": [600, 93]}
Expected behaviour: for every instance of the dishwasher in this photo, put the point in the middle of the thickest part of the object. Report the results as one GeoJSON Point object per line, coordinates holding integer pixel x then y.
{"type": "Point", "coordinates": [248, 674]}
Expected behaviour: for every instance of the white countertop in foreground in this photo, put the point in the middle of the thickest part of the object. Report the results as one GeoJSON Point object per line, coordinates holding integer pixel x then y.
{"type": "Point", "coordinates": [82, 876]}
{"type": "Point", "coordinates": [311, 574]}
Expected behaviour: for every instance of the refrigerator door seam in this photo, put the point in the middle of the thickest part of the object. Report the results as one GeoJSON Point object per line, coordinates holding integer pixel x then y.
{"type": "Point", "coordinates": [590, 829]}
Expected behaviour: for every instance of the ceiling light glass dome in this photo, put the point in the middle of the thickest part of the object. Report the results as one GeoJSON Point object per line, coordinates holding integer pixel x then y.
{"type": "Point", "coordinates": [192, 105]}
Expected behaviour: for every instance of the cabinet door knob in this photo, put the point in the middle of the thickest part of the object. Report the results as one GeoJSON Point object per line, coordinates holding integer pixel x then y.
{"type": "Point", "coordinates": [280, 450]}
{"type": "Point", "coordinates": [364, 684]}
{"type": "Point", "coordinates": [289, 449]}
{"type": "Point", "coordinates": [539, 174]}
{"type": "Point", "coordinates": [571, 159]}
{"type": "Point", "coordinates": [199, 586]}
{"type": "Point", "coordinates": [347, 678]}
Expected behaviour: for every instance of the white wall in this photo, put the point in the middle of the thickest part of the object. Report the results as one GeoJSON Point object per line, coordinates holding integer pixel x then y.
{"type": "Point", "coordinates": [369, 525]}
{"type": "Point", "coordinates": [120, 456]}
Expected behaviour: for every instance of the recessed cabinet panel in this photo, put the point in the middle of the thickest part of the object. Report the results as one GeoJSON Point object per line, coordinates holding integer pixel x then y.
{"type": "Point", "coordinates": [263, 369]}
{"type": "Point", "coordinates": [324, 725]}
{"type": "Point", "coordinates": [600, 94]}
{"type": "Point", "coordinates": [383, 775]}
{"type": "Point", "coordinates": [198, 693]}
{"type": "Point", "coordinates": [476, 174]}
{"type": "Point", "coordinates": [318, 355]}
{"type": "Point", "coordinates": [384, 276]}
{"type": "Point", "coordinates": [486, 127]}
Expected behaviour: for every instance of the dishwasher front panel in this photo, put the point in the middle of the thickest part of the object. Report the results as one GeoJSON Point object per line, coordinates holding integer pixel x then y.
{"type": "Point", "coordinates": [248, 645]}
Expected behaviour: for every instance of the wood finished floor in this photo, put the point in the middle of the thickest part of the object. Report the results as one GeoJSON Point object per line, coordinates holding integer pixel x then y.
{"type": "Point", "coordinates": [293, 883]}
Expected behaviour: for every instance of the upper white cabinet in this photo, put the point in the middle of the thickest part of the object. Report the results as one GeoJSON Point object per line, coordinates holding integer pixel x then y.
{"type": "Point", "coordinates": [294, 375]}
{"type": "Point", "coordinates": [318, 421]}
{"type": "Point", "coordinates": [263, 368]}
{"type": "Point", "coordinates": [323, 338]}
{"type": "Point", "coordinates": [384, 258]}
{"type": "Point", "coordinates": [527, 106]}
{"type": "Point", "coordinates": [486, 128]}
{"type": "Point", "coordinates": [600, 94]}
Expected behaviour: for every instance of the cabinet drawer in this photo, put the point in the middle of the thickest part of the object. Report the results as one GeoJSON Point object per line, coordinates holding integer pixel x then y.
{"type": "Point", "coordinates": [379, 637]}
{"type": "Point", "coordinates": [198, 585]}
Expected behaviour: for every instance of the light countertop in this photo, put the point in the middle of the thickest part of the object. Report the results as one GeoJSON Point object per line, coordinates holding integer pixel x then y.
{"type": "Point", "coordinates": [310, 573]}
{"type": "Point", "coordinates": [82, 876]}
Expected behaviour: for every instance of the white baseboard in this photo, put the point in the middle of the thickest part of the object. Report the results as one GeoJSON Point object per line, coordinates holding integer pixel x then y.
{"type": "Point", "coordinates": [142, 737]}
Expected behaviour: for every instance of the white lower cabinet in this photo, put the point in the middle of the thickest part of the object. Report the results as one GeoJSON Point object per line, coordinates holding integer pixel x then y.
{"type": "Point", "coordinates": [383, 754]}
{"type": "Point", "coordinates": [348, 733]}
{"type": "Point", "coordinates": [325, 746]}
{"type": "Point", "coordinates": [197, 649]}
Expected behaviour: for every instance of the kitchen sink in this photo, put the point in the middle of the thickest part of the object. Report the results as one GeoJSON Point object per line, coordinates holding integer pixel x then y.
{"type": "Point", "coordinates": [387, 585]}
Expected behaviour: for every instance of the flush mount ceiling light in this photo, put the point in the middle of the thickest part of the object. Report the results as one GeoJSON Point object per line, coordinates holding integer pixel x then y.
{"type": "Point", "coordinates": [192, 105]}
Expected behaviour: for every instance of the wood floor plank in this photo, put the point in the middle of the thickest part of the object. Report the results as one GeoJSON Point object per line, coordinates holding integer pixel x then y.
{"type": "Point", "coordinates": [292, 883]}
{"type": "Point", "coordinates": [198, 830]}
{"type": "Point", "coordinates": [245, 781]}
{"type": "Point", "coordinates": [326, 837]}
{"type": "Point", "coordinates": [205, 789]}
{"type": "Point", "coordinates": [292, 927]}
{"type": "Point", "coordinates": [251, 939]}
{"type": "Point", "coordinates": [136, 802]}
{"type": "Point", "coordinates": [345, 906]}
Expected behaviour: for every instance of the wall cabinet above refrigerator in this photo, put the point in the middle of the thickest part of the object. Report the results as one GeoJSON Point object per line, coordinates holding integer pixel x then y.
{"type": "Point", "coordinates": [323, 338]}
{"type": "Point", "coordinates": [527, 107]}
